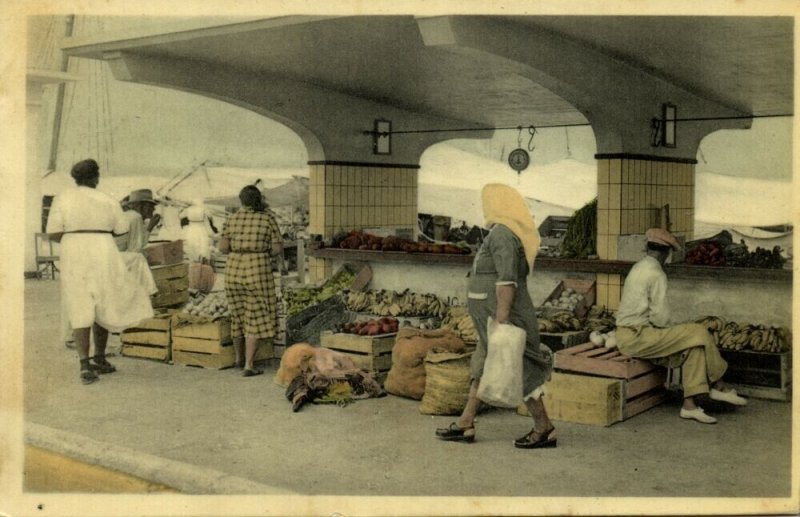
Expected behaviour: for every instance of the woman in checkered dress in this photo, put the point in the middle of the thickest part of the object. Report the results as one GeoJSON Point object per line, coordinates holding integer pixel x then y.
{"type": "Point", "coordinates": [252, 238]}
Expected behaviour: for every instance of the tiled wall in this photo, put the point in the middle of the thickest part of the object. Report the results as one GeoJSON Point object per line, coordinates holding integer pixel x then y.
{"type": "Point", "coordinates": [630, 194]}
{"type": "Point", "coordinates": [354, 197]}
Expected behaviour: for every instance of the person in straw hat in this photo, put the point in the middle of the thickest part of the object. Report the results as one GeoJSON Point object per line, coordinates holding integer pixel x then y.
{"type": "Point", "coordinates": [139, 207]}
{"type": "Point", "coordinates": [643, 331]}
{"type": "Point", "coordinates": [498, 288]}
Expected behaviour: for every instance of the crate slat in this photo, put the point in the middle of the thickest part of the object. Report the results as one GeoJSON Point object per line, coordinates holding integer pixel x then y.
{"type": "Point", "coordinates": [647, 382]}
{"type": "Point", "coordinates": [145, 337]}
{"type": "Point", "coordinates": [146, 352]}
{"type": "Point", "coordinates": [375, 345]}
{"type": "Point", "coordinates": [643, 403]}
{"type": "Point", "coordinates": [575, 359]}
{"type": "Point", "coordinates": [219, 330]}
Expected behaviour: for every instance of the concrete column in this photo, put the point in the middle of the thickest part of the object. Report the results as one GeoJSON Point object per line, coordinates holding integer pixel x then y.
{"type": "Point", "coordinates": [345, 196]}
{"type": "Point", "coordinates": [631, 191]}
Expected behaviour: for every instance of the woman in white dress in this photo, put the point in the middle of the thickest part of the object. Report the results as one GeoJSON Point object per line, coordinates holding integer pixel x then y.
{"type": "Point", "coordinates": [98, 292]}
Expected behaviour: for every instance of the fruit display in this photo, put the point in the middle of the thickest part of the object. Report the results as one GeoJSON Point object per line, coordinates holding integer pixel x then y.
{"type": "Point", "coordinates": [560, 321]}
{"type": "Point", "coordinates": [391, 303]}
{"type": "Point", "coordinates": [600, 319]}
{"type": "Point", "coordinates": [358, 240]}
{"type": "Point", "coordinates": [212, 305]}
{"type": "Point", "coordinates": [736, 336]}
{"type": "Point", "coordinates": [371, 327]}
{"type": "Point", "coordinates": [720, 250]}
{"type": "Point", "coordinates": [568, 300]}
{"type": "Point", "coordinates": [459, 321]}
{"type": "Point", "coordinates": [298, 298]}
{"type": "Point", "coordinates": [581, 236]}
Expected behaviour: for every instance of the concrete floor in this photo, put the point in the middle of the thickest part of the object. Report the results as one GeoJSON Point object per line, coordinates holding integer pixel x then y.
{"type": "Point", "coordinates": [217, 421]}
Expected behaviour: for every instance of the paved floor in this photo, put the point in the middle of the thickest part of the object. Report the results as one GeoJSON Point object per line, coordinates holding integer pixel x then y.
{"type": "Point", "coordinates": [245, 428]}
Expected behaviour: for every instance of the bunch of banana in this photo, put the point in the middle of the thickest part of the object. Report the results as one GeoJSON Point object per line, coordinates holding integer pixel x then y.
{"type": "Point", "coordinates": [459, 321]}
{"type": "Point", "coordinates": [735, 336]}
{"type": "Point", "coordinates": [560, 321]}
{"type": "Point", "coordinates": [392, 303]}
{"type": "Point", "coordinates": [599, 319]}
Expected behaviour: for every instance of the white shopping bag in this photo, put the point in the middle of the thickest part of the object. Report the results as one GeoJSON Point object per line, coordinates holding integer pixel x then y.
{"type": "Point", "coordinates": [501, 383]}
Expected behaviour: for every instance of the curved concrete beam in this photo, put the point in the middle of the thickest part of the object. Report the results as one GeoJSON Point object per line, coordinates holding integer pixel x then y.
{"type": "Point", "coordinates": [331, 124]}
{"type": "Point", "coordinates": [618, 98]}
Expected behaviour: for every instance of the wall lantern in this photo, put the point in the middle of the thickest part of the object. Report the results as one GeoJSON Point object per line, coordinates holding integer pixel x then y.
{"type": "Point", "coordinates": [669, 112]}
{"type": "Point", "coordinates": [665, 129]}
{"type": "Point", "coordinates": [382, 137]}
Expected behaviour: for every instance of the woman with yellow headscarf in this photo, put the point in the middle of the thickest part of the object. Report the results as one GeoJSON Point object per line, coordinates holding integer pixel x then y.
{"type": "Point", "coordinates": [497, 288]}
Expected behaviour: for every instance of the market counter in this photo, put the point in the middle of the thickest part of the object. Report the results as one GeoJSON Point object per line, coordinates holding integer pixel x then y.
{"type": "Point", "coordinates": [619, 267]}
{"type": "Point", "coordinates": [762, 296]}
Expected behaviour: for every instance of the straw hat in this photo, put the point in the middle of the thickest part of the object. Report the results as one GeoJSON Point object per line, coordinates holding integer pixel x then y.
{"type": "Point", "coordinates": [144, 195]}
{"type": "Point", "coordinates": [662, 237]}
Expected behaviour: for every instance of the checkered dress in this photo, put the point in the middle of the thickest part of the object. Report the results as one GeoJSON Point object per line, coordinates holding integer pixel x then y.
{"type": "Point", "coordinates": [249, 284]}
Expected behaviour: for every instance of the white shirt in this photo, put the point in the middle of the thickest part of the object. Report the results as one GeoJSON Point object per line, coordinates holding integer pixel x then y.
{"type": "Point", "coordinates": [84, 208]}
{"type": "Point", "coordinates": [644, 296]}
{"type": "Point", "coordinates": [136, 237]}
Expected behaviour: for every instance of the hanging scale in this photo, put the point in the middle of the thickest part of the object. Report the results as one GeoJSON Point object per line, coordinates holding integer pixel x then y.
{"type": "Point", "coordinates": [519, 159]}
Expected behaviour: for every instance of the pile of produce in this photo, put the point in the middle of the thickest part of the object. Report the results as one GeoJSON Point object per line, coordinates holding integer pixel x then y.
{"type": "Point", "coordinates": [600, 319]}
{"type": "Point", "coordinates": [581, 236]}
{"type": "Point", "coordinates": [568, 300]}
{"type": "Point", "coordinates": [706, 254]}
{"type": "Point", "coordinates": [391, 303]}
{"type": "Point", "coordinates": [560, 321]}
{"type": "Point", "coordinates": [735, 336]}
{"type": "Point", "coordinates": [212, 305]}
{"type": "Point", "coordinates": [358, 240]}
{"type": "Point", "coordinates": [372, 327]}
{"type": "Point", "coordinates": [720, 250]}
{"type": "Point", "coordinates": [297, 299]}
{"type": "Point", "coordinates": [459, 321]}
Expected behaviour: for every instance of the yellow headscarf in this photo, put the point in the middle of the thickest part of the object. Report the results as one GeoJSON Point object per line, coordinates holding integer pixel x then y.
{"type": "Point", "coordinates": [504, 205]}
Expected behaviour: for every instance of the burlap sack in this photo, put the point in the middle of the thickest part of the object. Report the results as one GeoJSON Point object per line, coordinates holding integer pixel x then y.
{"type": "Point", "coordinates": [447, 382]}
{"type": "Point", "coordinates": [406, 377]}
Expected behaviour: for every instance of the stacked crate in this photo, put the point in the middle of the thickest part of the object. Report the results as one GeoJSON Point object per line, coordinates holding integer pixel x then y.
{"type": "Point", "coordinates": [208, 344]}
{"type": "Point", "coordinates": [600, 386]}
{"type": "Point", "coordinates": [370, 353]}
{"type": "Point", "coordinates": [172, 282]}
{"type": "Point", "coordinates": [149, 339]}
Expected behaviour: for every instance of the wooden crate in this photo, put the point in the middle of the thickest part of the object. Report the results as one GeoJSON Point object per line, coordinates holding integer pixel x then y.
{"type": "Point", "coordinates": [585, 399]}
{"type": "Point", "coordinates": [587, 288]}
{"type": "Point", "coordinates": [765, 375]}
{"type": "Point", "coordinates": [600, 386]}
{"type": "Point", "coordinates": [172, 282]}
{"type": "Point", "coordinates": [561, 340]}
{"type": "Point", "coordinates": [164, 253]}
{"type": "Point", "coordinates": [370, 353]}
{"type": "Point", "coordinates": [209, 345]}
{"type": "Point", "coordinates": [149, 339]}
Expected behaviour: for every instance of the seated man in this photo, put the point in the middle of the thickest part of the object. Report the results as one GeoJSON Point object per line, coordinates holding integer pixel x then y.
{"type": "Point", "coordinates": [642, 331]}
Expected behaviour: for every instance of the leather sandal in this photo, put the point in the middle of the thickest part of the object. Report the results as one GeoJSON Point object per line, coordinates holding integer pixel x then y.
{"type": "Point", "coordinates": [454, 433]}
{"type": "Point", "coordinates": [101, 365]}
{"type": "Point", "coordinates": [88, 376]}
{"type": "Point", "coordinates": [247, 372]}
{"type": "Point", "coordinates": [544, 440]}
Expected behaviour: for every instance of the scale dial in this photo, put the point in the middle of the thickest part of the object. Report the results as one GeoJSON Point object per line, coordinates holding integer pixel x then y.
{"type": "Point", "coordinates": [519, 159]}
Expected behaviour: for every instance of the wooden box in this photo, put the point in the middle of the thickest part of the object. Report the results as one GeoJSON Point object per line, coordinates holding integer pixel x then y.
{"type": "Point", "coordinates": [149, 339]}
{"type": "Point", "coordinates": [600, 386]}
{"type": "Point", "coordinates": [587, 288]}
{"type": "Point", "coordinates": [164, 253]}
{"type": "Point", "coordinates": [172, 282]}
{"type": "Point", "coordinates": [585, 399]}
{"type": "Point", "coordinates": [209, 345]}
{"type": "Point", "coordinates": [561, 340]}
{"type": "Point", "coordinates": [766, 375]}
{"type": "Point", "coordinates": [370, 353]}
